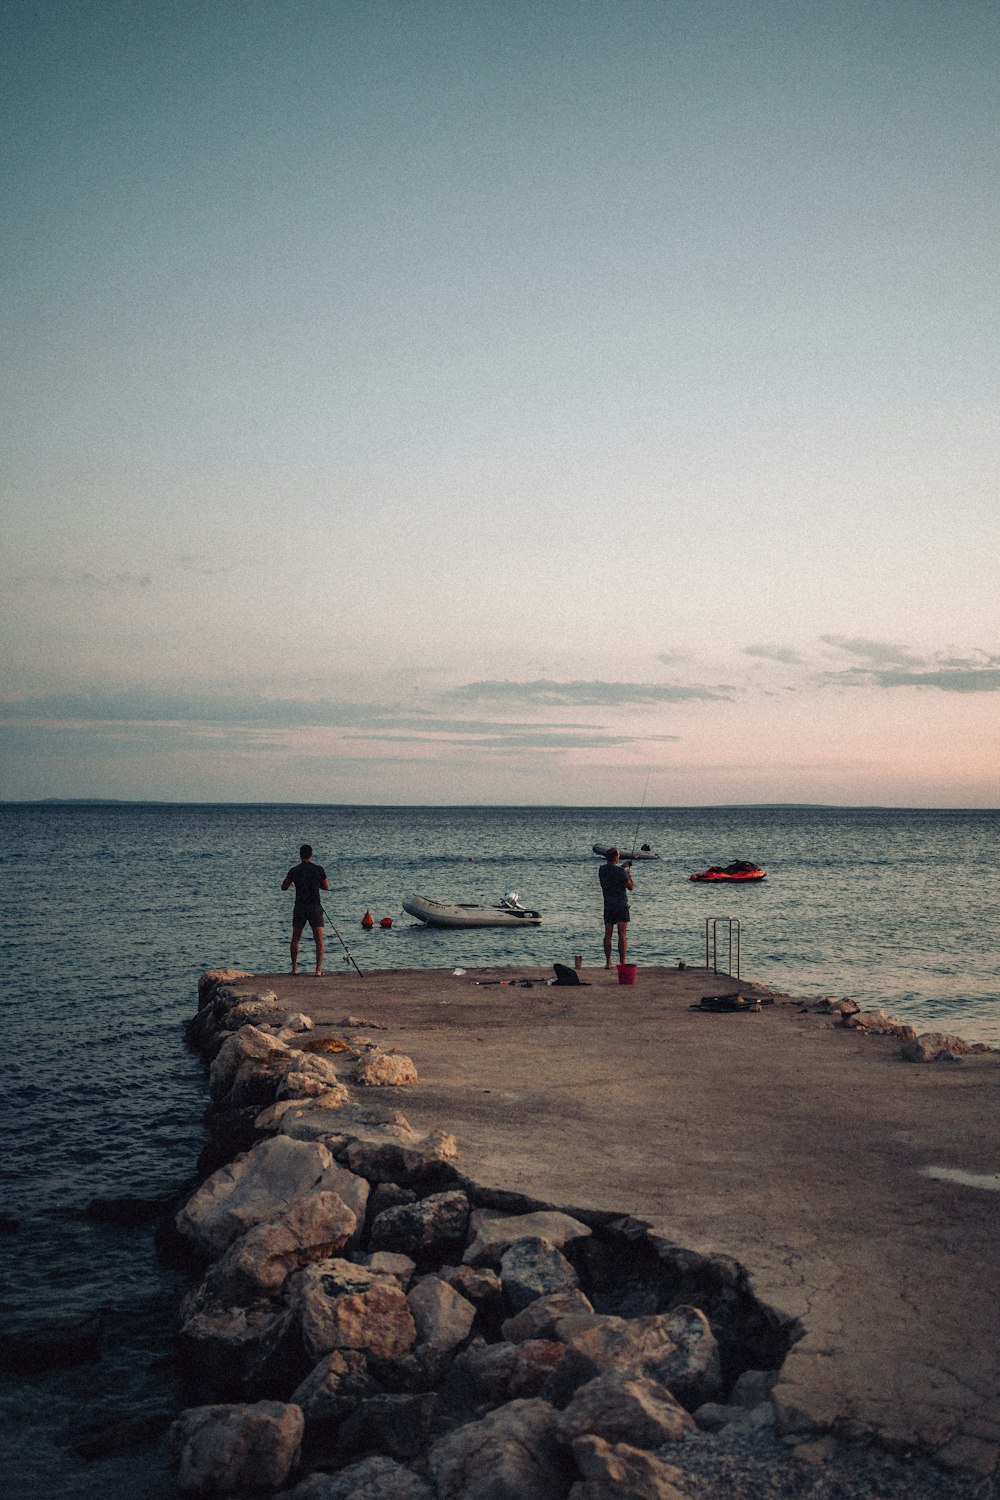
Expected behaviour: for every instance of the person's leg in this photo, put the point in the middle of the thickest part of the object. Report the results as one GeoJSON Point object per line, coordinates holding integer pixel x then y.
{"type": "Point", "coordinates": [622, 941]}
{"type": "Point", "coordinates": [319, 941]}
{"type": "Point", "coordinates": [608, 927]}
{"type": "Point", "coordinates": [294, 948]}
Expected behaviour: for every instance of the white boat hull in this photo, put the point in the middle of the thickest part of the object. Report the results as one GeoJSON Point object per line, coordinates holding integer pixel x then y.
{"type": "Point", "coordinates": [633, 854]}
{"type": "Point", "coordinates": [468, 914]}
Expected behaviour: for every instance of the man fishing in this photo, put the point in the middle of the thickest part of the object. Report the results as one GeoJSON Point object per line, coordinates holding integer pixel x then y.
{"type": "Point", "coordinates": [616, 882]}
{"type": "Point", "coordinates": [308, 880]}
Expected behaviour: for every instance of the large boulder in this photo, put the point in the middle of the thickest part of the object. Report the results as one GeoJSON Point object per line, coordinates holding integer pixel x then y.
{"type": "Point", "coordinates": [491, 1233]}
{"type": "Point", "coordinates": [298, 1083]}
{"type": "Point", "coordinates": [876, 1023]}
{"type": "Point", "coordinates": [930, 1046]}
{"type": "Point", "coordinates": [623, 1408]}
{"type": "Point", "coordinates": [533, 1268]}
{"type": "Point", "coordinates": [339, 1305]}
{"type": "Point", "coordinates": [338, 1383]}
{"type": "Point", "coordinates": [281, 1117]}
{"type": "Point", "coordinates": [443, 1320]}
{"type": "Point", "coordinates": [385, 1070]}
{"type": "Point", "coordinates": [258, 1263]}
{"type": "Point", "coordinates": [247, 1044]}
{"type": "Point", "coordinates": [429, 1229]}
{"type": "Point", "coordinates": [512, 1453]}
{"type": "Point", "coordinates": [230, 1352]}
{"type": "Point", "coordinates": [211, 980]}
{"type": "Point", "coordinates": [263, 1009]}
{"type": "Point", "coordinates": [259, 1186]}
{"type": "Point", "coordinates": [371, 1122]}
{"type": "Point", "coordinates": [236, 1450]}
{"type": "Point", "coordinates": [677, 1349]}
{"type": "Point", "coordinates": [540, 1317]}
{"type": "Point", "coordinates": [616, 1471]}
{"type": "Point", "coordinates": [417, 1161]}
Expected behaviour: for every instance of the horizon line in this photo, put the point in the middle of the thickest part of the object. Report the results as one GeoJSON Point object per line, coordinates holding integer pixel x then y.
{"type": "Point", "coordinates": [492, 806]}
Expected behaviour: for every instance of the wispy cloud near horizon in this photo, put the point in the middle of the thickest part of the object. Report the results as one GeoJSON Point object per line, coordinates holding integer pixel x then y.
{"type": "Point", "coordinates": [889, 666]}
{"type": "Point", "coordinates": [593, 694]}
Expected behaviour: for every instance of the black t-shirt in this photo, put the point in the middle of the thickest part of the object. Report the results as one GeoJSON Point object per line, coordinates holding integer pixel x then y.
{"type": "Point", "coordinates": [307, 879]}
{"type": "Point", "coordinates": [614, 884]}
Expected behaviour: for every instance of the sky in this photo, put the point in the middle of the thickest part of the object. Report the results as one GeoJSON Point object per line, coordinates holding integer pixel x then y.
{"type": "Point", "coordinates": [458, 401]}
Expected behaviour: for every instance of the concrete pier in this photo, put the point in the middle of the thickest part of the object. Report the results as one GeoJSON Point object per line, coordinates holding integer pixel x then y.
{"type": "Point", "coordinates": [805, 1150]}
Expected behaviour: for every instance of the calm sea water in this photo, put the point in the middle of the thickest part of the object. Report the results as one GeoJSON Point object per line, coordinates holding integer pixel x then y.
{"type": "Point", "coordinates": [109, 913]}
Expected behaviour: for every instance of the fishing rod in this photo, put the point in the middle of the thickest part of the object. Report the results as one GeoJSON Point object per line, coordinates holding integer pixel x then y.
{"type": "Point", "coordinates": [635, 838]}
{"type": "Point", "coordinates": [350, 955]}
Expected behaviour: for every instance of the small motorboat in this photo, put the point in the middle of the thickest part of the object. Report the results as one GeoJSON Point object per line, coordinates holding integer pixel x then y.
{"type": "Point", "coordinates": [506, 913]}
{"type": "Point", "coordinates": [738, 870]}
{"type": "Point", "coordinates": [644, 853]}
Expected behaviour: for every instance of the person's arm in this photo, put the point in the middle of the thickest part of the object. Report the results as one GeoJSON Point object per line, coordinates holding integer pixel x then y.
{"type": "Point", "coordinates": [326, 884]}
{"type": "Point", "coordinates": [628, 879]}
{"type": "Point", "coordinates": [287, 881]}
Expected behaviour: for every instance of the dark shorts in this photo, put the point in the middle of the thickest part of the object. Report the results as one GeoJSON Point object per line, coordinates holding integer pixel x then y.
{"type": "Point", "coordinates": [314, 915]}
{"type": "Point", "coordinates": [615, 914]}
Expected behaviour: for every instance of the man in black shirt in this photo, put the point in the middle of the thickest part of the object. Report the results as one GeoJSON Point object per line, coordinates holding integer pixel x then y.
{"type": "Point", "coordinates": [616, 882]}
{"type": "Point", "coordinates": [308, 880]}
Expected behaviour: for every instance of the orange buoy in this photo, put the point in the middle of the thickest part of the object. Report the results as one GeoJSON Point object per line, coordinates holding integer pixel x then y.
{"type": "Point", "coordinates": [367, 920]}
{"type": "Point", "coordinates": [386, 922]}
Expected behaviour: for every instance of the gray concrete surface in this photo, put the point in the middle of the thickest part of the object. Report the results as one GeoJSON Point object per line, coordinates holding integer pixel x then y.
{"type": "Point", "coordinates": [778, 1138]}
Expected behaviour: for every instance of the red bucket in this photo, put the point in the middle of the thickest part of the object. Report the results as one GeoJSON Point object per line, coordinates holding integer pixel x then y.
{"type": "Point", "coordinates": [626, 973]}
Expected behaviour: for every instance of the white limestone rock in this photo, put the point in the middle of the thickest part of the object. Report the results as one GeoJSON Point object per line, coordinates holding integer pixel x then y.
{"type": "Point", "coordinates": [297, 1085]}
{"type": "Point", "coordinates": [376, 1124]}
{"type": "Point", "coordinates": [273, 1119]}
{"type": "Point", "coordinates": [258, 1263]}
{"type": "Point", "coordinates": [258, 1186]}
{"type": "Point", "coordinates": [385, 1070]}
{"type": "Point", "coordinates": [295, 1024]}
{"type": "Point", "coordinates": [261, 1009]}
{"type": "Point", "coordinates": [339, 1305]}
{"type": "Point", "coordinates": [247, 1043]}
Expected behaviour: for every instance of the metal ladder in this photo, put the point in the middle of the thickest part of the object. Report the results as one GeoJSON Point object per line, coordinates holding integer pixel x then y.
{"type": "Point", "coordinates": [712, 925]}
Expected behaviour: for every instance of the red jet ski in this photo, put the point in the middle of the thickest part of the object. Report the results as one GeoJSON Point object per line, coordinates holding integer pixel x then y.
{"type": "Point", "coordinates": [738, 870]}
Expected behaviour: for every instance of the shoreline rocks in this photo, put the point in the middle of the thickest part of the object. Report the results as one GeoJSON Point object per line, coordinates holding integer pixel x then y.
{"type": "Point", "coordinates": [370, 1322]}
{"type": "Point", "coordinates": [365, 1310]}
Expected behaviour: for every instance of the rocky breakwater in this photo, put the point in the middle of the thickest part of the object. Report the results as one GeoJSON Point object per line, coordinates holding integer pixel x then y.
{"type": "Point", "coordinates": [371, 1323]}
